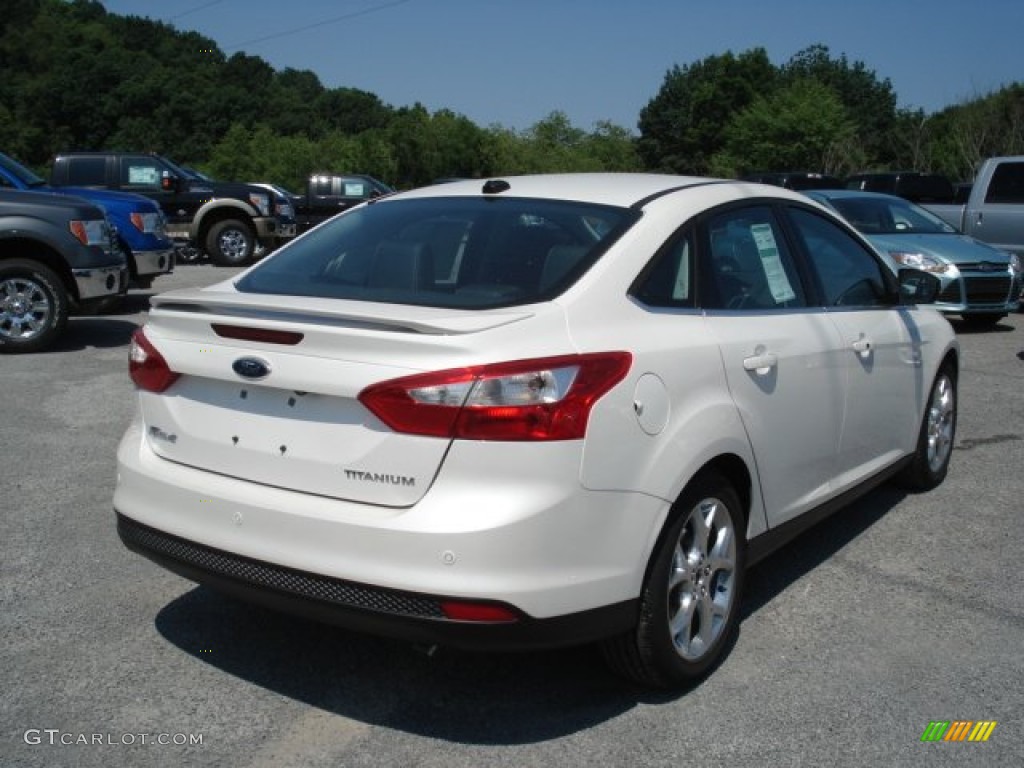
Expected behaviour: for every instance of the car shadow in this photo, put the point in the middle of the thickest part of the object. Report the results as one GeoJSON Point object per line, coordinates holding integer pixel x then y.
{"type": "Point", "coordinates": [472, 698]}
{"type": "Point", "coordinates": [964, 328]}
{"type": "Point", "coordinates": [94, 333]}
{"type": "Point", "coordinates": [111, 329]}
{"type": "Point", "coordinates": [767, 579]}
{"type": "Point", "coordinates": [488, 699]}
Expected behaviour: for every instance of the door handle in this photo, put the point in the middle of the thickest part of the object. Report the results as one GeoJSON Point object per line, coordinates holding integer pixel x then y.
{"type": "Point", "coordinates": [862, 346]}
{"type": "Point", "coordinates": [761, 363]}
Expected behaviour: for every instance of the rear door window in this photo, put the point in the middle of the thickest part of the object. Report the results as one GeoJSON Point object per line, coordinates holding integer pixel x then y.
{"type": "Point", "coordinates": [87, 171]}
{"type": "Point", "coordinates": [1007, 185]}
{"type": "Point", "coordinates": [750, 266]}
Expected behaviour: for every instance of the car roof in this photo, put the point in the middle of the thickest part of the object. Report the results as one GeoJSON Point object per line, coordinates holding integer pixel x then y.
{"type": "Point", "coordinates": [619, 189]}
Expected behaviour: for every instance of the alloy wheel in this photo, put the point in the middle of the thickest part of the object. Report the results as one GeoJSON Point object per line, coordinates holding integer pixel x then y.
{"type": "Point", "coordinates": [25, 308]}
{"type": "Point", "coordinates": [702, 579]}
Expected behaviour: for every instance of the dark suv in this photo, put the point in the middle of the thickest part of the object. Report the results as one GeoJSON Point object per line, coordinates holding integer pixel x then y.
{"type": "Point", "coordinates": [798, 180]}
{"type": "Point", "coordinates": [910, 185]}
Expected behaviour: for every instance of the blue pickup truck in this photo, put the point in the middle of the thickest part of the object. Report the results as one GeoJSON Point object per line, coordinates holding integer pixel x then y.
{"type": "Point", "coordinates": [140, 225]}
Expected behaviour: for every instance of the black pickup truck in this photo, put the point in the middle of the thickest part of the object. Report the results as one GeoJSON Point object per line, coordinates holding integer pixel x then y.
{"type": "Point", "coordinates": [228, 221]}
{"type": "Point", "coordinates": [328, 194]}
{"type": "Point", "coordinates": [58, 254]}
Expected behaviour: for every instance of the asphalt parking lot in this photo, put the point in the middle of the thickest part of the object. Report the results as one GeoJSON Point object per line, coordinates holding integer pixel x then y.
{"type": "Point", "coordinates": [899, 611]}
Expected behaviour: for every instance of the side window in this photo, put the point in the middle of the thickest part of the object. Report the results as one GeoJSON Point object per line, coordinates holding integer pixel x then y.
{"type": "Point", "coordinates": [1007, 185]}
{"type": "Point", "coordinates": [141, 172]}
{"type": "Point", "coordinates": [354, 188]}
{"type": "Point", "coordinates": [87, 171]}
{"type": "Point", "coordinates": [749, 266]}
{"type": "Point", "coordinates": [849, 274]}
{"type": "Point", "coordinates": [669, 282]}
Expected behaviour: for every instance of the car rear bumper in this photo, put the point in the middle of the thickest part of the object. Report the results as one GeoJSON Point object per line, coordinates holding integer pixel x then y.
{"type": "Point", "coordinates": [568, 562]}
{"type": "Point", "coordinates": [407, 616]}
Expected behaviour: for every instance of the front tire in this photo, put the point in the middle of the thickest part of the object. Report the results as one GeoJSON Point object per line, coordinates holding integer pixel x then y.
{"type": "Point", "coordinates": [935, 439]}
{"type": "Point", "coordinates": [230, 243]}
{"type": "Point", "coordinates": [689, 604]}
{"type": "Point", "coordinates": [33, 306]}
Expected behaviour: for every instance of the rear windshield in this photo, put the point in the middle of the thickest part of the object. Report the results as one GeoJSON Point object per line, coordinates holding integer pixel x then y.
{"type": "Point", "coordinates": [464, 252]}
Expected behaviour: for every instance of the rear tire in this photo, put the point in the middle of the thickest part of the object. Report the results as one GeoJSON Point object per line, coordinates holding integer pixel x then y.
{"type": "Point", "coordinates": [690, 601]}
{"type": "Point", "coordinates": [230, 243]}
{"type": "Point", "coordinates": [935, 439]}
{"type": "Point", "coordinates": [33, 306]}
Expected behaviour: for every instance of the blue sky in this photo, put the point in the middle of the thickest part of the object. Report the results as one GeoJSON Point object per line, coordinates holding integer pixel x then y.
{"type": "Point", "coordinates": [513, 62]}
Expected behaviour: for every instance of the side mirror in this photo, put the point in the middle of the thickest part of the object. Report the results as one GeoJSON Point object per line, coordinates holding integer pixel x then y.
{"type": "Point", "coordinates": [168, 181]}
{"type": "Point", "coordinates": [918, 287]}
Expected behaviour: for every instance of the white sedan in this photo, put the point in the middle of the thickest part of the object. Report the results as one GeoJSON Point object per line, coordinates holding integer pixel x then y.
{"type": "Point", "coordinates": [533, 411]}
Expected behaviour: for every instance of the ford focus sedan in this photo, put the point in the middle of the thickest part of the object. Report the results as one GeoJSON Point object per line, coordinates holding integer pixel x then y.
{"type": "Point", "coordinates": [533, 412]}
{"type": "Point", "coordinates": [980, 283]}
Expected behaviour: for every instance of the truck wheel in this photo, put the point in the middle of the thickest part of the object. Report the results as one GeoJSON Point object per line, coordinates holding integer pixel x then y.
{"type": "Point", "coordinates": [230, 243]}
{"type": "Point", "coordinates": [33, 306]}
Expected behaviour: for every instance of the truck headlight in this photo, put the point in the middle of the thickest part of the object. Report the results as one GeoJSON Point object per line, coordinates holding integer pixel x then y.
{"type": "Point", "coordinates": [90, 231]}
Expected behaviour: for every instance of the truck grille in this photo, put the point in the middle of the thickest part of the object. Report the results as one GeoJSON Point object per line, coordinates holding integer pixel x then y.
{"type": "Point", "coordinates": [262, 574]}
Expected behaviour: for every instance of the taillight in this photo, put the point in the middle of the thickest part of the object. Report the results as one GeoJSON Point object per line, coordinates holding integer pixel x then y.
{"type": "Point", "coordinates": [544, 399]}
{"type": "Point", "coordinates": [147, 367]}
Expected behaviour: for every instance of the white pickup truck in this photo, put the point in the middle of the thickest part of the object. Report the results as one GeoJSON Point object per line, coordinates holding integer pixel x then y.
{"type": "Point", "coordinates": [994, 212]}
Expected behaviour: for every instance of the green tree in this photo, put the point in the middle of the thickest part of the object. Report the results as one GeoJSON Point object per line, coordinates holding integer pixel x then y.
{"type": "Point", "coordinates": [870, 102]}
{"type": "Point", "coordinates": [612, 148]}
{"type": "Point", "coordinates": [681, 128]}
{"type": "Point", "coordinates": [803, 125]}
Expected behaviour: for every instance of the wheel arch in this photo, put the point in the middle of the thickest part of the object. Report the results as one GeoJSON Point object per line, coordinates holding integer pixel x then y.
{"type": "Point", "coordinates": [217, 211]}
{"type": "Point", "coordinates": [129, 256]}
{"type": "Point", "coordinates": [36, 250]}
{"type": "Point", "coordinates": [734, 470]}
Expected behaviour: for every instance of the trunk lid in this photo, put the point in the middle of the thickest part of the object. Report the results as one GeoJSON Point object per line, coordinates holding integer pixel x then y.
{"type": "Point", "coordinates": [298, 424]}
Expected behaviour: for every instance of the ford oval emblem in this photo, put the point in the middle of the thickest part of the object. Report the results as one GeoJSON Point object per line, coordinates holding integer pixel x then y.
{"type": "Point", "coordinates": [251, 368]}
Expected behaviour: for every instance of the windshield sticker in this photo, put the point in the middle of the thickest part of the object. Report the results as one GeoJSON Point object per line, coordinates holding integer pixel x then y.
{"type": "Point", "coordinates": [354, 190]}
{"type": "Point", "coordinates": [768, 250]}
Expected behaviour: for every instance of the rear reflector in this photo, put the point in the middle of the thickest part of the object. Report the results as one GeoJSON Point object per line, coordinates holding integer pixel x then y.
{"type": "Point", "coordinates": [488, 613]}
{"type": "Point", "coordinates": [291, 338]}
{"type": "Point", "coordinates": [543, 399]}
